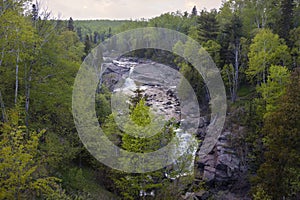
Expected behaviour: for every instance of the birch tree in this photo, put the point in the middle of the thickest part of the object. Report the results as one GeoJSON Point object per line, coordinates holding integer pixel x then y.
{"type": "Point", "coordinates": [266, 49]}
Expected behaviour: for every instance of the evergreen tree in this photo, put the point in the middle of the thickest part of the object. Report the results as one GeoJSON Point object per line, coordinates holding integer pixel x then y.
{"type": "Point", "coordinates": [285, 22]}
{"type": "Point", "coordinates": [194, 12]}
{"type": "Point", "coordinates": [79, 33]}
{"type": "Point", "coordinates": [96, 37]}
{"type": "Point", "coordinates": [130, 185]}
{"type": "Point", "coordinates": [35, 12]}
{"type": "Point", "coordinates": [87, 45]}
{"type": "Point", "coordinates": [279, 175]}
{"type": "Point", "coordinates": [295, 41]}
{"type": "Point", "coordinates": [207, 26]}
{"type": "Point", "coordinates": [71, 24]}
{"type": "Point", "coordinates": [109, 32]}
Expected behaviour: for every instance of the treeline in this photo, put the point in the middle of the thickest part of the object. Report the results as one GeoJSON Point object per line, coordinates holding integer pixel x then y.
{"type": "Point", "coordinates": [97, 30]}
{"type": "Point", "coordinates": [254, 43]}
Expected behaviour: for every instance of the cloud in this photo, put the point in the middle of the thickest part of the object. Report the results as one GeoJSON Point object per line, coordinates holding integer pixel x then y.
{"type": "Point", "coordinates": [123, 9]}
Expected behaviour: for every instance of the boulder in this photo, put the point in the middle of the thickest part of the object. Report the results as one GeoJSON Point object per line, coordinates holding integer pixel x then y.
{"type": "Point", "coordinates": [222, 165]}
{"type": "Point", "coordinates": [209, 173]}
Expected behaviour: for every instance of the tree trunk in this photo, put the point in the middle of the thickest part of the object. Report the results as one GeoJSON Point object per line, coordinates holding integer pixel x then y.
{"type": "Point", "coordinates": [2, 108]}
{"type": "Point", "coordinates": [230, 82]}
{"type": "Point", "coordinates": [2, 55]}
{"type": "Point", "coordinates": [236, 75]}
{"type": "Point", "coordinates": [17, 77]}
{"type": "Point", "coordinates": [27, 95]}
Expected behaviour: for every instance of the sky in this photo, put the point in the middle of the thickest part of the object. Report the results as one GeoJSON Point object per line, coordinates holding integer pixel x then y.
{"type": "Point", "coordinates": [122, 9]}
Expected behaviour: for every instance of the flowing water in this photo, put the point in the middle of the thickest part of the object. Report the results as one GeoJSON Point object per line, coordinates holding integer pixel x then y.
{"type": "Point", "coordinates": [185, 164]}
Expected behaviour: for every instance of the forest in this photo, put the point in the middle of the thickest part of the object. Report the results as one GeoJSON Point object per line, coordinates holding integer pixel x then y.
{"type": "Point", "coordinates": [255, 44]}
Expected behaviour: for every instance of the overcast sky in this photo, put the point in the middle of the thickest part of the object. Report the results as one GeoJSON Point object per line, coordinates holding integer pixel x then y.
{"type": "Point", "coordinates": [122, 9]}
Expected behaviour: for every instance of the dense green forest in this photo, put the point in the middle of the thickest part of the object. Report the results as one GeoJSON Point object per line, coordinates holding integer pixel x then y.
{"type": "Point", "coordinates": [255, 45]}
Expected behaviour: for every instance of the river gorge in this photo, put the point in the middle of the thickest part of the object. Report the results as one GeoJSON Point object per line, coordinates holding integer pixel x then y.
{"type": "Point", "coordinates": [222, 168]}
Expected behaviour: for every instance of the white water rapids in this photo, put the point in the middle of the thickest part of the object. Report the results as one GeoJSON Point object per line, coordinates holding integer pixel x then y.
{"type": "Point", "coordinates": [184, 165]}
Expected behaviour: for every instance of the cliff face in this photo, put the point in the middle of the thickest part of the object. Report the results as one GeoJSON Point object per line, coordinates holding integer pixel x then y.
{"type": "Point", "coordinates": [224, 169]}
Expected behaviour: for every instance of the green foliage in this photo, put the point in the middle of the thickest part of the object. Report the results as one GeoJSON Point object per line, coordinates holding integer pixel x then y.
{"type": "Point", "coordinates": [87, 45]}
{"type": "Point", "coordinates": [17, 41]}
{"type": "Point", "coordinates": [194, 79]}
{"type": "Point", "coordinates": [261, 194]}
{"type": "Point", "coordinates": [88, 27]}
{"type": "Point", "coordinates": [225, 15]}
{"type": "Point", "coordinates": [141, 114]}
{"type": "Point", "coordinates": [81, 184]}
{"type": "Point", "coordinates": [20, 173]}
{"type": "Point", "coordinates": [175, 21]}
{"type": "Point", "coordinates": [40, 58]}
{"type": "Point", "coordinates": [71, 24]}
{"type": "Point", "coordinates": [228, 76]}
{"type": "Point", "coordinates": [279, 174]}
{"type": "Point", "coordinates": [274, 89]}
{"type": "Point", "coordinates": [59, 151]}
{"type": "Point", "coordinates": [213, 48]}
{"type": "Point", "coordinates": [258, 14]}
{"type": "Point", "coordinates": [285, 22]}
{"type": "Point", "coordinates": [138, 96]}
{"type": "Point", "coordinates": [130, 185]}
{"type": "Point", "coordinates": [191, 75]}
{"type": "Point", "coordinates": [112, 130]}
{"type": "Point", "coordinates": [266, 49]}
{"type": "Point", "coordinates": [207, 26]}
{"type": "Point", "coordinates": [103, 108]}
{"type": "Point", "coordinates": [295, 50]}
{"type": "Point", "coordinates": [141, 117]}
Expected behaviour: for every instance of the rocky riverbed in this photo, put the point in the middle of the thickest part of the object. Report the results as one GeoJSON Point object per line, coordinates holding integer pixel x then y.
{"type": "Point", "coordinates": [221, 168]}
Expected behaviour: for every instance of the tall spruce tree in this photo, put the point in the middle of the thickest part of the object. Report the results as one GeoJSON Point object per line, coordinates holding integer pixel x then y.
{"type": "Point", "coordinates": [87, 46]}
{"type": "Point", "coordinates": [71, 24]}
{"type": "Point", "coordinates": [207, 26]}
{"type": "Point", "coordinates": [194, 12]}
{"type": "Point", "coordinates": [285, 22]}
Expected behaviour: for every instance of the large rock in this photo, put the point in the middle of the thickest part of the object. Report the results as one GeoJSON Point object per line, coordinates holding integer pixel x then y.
{"type": "Point", "coordinates": [222, 165]}
{"type": "Point", "coordinates": [209, 173]}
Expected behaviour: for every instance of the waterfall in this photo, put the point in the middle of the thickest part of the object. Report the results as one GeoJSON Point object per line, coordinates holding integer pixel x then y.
{"type": "Point", "coordinates": [129, 82]}
{"type": "Point", "coordinates": [187, 147]}
{"type": "Point", "coordinates": [187, 144]}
